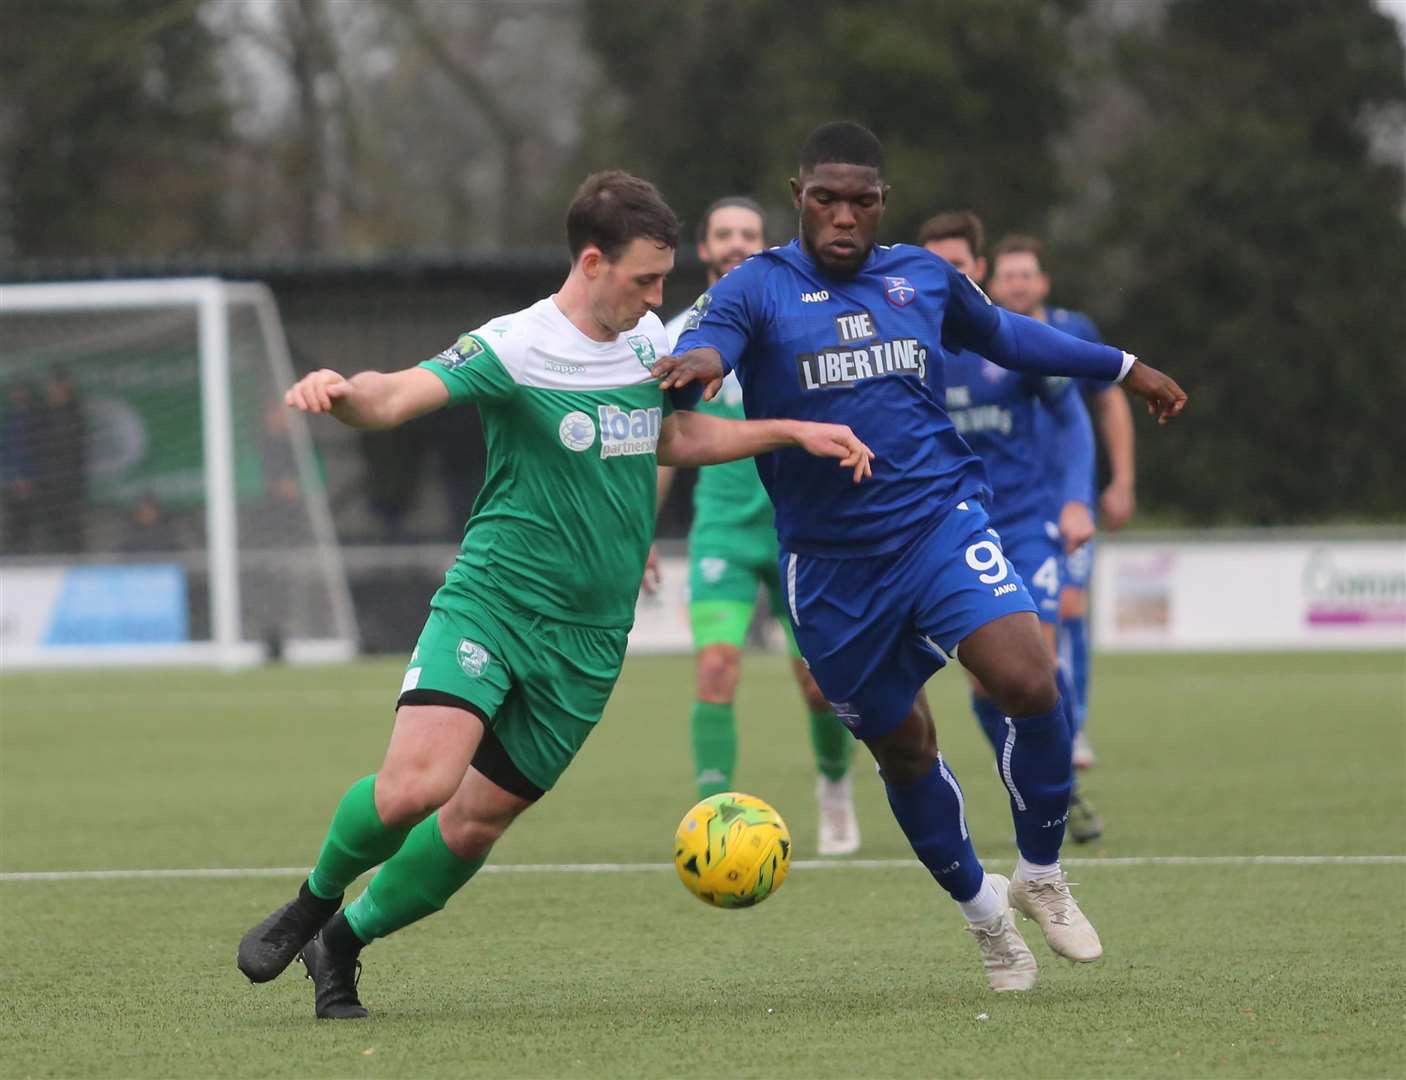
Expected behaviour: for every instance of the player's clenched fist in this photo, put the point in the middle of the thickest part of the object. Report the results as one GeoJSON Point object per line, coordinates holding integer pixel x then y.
{"type": "Point", "coordinates": [318, 392]}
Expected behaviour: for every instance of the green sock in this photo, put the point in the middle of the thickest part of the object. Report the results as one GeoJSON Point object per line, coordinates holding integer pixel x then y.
{"type": "Point", "coordinates": [832, 743]}
{"type": "Point", "coordinates": [417, 881]}
{"type": "Point", "coordinates": [355, 843]}
{"type": "Point", "coordinates": [714, 747]}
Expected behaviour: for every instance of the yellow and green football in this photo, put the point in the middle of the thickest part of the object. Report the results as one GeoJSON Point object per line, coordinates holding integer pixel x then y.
{"type": "Point", "coordinates": [732, 850]}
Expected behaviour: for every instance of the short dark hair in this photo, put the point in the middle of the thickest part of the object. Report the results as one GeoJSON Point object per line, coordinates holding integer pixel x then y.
{"type": "Point", "coordinates": [612, 208]}
{"type": "Point", "coordinates": [841, 142]}
{"type": "Point", "coordinates": [954, 225]}
{"type": "Point", "coordinates": [743, 201]}
{"type": "Point", "coordinates": [1018, 244]}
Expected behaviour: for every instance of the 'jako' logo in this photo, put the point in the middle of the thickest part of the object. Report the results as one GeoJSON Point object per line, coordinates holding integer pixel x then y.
{"type": "Point", "coordinates": [577, 432]}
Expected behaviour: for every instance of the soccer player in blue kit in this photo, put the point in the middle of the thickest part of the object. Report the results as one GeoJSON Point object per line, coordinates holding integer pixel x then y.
{"type": "Point", "coordinates": [885, 582]}
{"type": "Point", "coordinates": [1034, 437]}
{"type": "Point", "coordinates": [1020, 284]}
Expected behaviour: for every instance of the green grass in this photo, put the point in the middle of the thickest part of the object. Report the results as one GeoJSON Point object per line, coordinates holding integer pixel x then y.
{"type": "Point", "coordinates": [1228, 971]}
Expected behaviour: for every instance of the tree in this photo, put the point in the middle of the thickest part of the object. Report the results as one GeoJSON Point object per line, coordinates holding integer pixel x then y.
{"type": "Point", "coordinates": [714, 97]}
{"type": "Point", "coordinates": [114, 128]}
{"type": "Point", "coordinates": [1261, 254]}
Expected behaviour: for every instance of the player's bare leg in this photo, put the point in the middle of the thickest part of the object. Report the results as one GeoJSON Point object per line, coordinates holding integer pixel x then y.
{"type": "Point", "coordinates": [441, 855]}
{"type": "Point", "coordinates": [1013, 663]}
{"type": "Point", "coordinates": [430, 748]}
{"type": "Point", "coordinates": [834, 796]}
{"type": "Point", "coordinates": [918, 781]}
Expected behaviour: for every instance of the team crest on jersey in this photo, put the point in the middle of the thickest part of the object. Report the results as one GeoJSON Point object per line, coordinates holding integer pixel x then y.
{"type": "Point", "coordinates": [698, 311]}
{"type": "Point", "coordinates": [576, 431]}
{"type": "Point", "coordinates": [643, 349]}
{"type": "Point", "coordinates": [473, 657]}
{"type": "Point", "coordinates": [900, 291]}
{"type": "Point", "coordinates": [461, 352]}
{"type": "Point", "coordinates": [712, 569]}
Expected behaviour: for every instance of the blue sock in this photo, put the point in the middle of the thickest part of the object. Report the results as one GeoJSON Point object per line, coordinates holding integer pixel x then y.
{"type": "Point", "coordinates": [992, 720]}
{"type": "Point", "coordinates": [1076, 633]}
{"type": "Point", "coordinates": [933, 817]}
{"type": "Point", "coordinates": [1038, 771]}
{"type": "Point", "coordinates": [1066, 695]}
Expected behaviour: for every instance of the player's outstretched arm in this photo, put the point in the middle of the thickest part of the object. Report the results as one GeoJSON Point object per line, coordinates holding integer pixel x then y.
{"type": "Point", "coordinates": [696, 365]}
{"type": "Point", "coordinates": [370, 399]}
{"type": "Point", "coordinates": [689, 438]}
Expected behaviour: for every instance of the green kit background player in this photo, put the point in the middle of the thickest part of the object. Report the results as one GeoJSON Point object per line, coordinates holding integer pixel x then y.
{"type": "Point", "coordinates": [525, 639]}
{"type": "Point", "coordinates": [732, 550]}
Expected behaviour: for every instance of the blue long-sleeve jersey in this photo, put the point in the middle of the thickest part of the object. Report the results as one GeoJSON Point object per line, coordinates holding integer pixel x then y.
{"type": "Point", "coordinates": [858, 350]}
{"type": "Point", "coordinates": [1032, 432]}
{"type": "Point", "coordinates": [1079, 325]}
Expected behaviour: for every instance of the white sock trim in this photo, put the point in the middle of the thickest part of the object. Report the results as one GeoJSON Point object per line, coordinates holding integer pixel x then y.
{"type": "Point", "coordinates": [988, 902]}
{"type": "Point", "coordinates": [1029, 871]}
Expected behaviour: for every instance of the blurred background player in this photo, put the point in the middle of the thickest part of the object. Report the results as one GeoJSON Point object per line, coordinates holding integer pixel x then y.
{"type": "Point", "coordinates": [1019, 283]}
{"type": "Point", "coordinates": [732, 551]}
{"type": "Point", "coordinates": [1033, 434]}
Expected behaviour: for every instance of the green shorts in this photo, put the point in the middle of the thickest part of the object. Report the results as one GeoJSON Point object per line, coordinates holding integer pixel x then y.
{"type": "Point", "coordinates": [722, 594]}
{"type": "Point", "coordinates": [539, 685]}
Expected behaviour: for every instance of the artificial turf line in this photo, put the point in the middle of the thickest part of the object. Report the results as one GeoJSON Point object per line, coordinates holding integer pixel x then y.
{"type": "Point", "coordinates": [799, 864]}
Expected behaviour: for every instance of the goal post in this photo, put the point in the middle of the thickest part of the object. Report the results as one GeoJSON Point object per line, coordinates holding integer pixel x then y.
{"type": "Point", "coordinates": [159, 503]}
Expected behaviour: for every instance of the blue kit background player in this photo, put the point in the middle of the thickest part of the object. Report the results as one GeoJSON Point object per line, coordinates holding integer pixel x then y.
{"type": "Point", "coordinates": [1034, 437]}
{"type": "Point", "coordinates": [884, 585]}
{"type": "Point", "coordinates": [1019, 283]}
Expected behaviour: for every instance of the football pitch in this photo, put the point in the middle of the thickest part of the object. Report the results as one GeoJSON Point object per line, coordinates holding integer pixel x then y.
{"type": "Point", "coordinates": [1248, 930]}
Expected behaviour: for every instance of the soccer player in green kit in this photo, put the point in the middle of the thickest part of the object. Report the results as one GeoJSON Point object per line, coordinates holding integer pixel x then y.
{"type": "Point", "coordinates": [525, 639]}
{"type": "Point", "coordinates": [732, 551]}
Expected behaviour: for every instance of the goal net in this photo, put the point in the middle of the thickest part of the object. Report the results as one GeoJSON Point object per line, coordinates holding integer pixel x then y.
{"type": "Point", "coordinates": [158, 503]}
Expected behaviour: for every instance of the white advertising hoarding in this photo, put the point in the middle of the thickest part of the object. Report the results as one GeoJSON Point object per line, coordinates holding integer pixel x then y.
{"type": "Point", "coordinates": [1250, 595]}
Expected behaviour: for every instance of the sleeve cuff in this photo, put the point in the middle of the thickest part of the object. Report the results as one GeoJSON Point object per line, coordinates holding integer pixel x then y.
{"type": "Point", "coordinates": [1128, 361]}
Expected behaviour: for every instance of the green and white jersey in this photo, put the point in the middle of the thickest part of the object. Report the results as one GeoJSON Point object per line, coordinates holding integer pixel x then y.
{"type": "Point", "coordinates": [566, 514]}
{"type": "Point", "coordinates": [729, 498]}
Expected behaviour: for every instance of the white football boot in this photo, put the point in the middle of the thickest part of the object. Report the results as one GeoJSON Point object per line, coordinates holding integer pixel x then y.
{"type": "Point", "coordinates": [1009, 963]}
{"type": "Point", "coordinates": [839, 828]}
{"type": "Point", "coordinates": [1084, 757]}
{"type": "Point", "coordinates": [1065, 927]}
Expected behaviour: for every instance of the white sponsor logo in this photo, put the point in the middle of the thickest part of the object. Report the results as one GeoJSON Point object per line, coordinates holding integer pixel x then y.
{"type": "Point", "coordinates": [565, 367]}
{"type": "Point", "coordinates": [473, 657]}
{"type": "Point", "coordinates": [841, 367]}
{"type": "Point", "coordinates": [627, 433]}
{"type": "Point", "coordinates": [818, 297]}
{"type": "Point", "coordinates": [981, 418]}
{"type": "Point", "coordinates": [576, 431]}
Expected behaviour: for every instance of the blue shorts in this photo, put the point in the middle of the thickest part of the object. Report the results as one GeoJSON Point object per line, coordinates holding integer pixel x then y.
{"type": "Point", "coordinates": [873, 630]}
{"type": "Point", "coordinates": [1075, 570]}
{"type": "Point", "coordinates": [1038, 556]}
